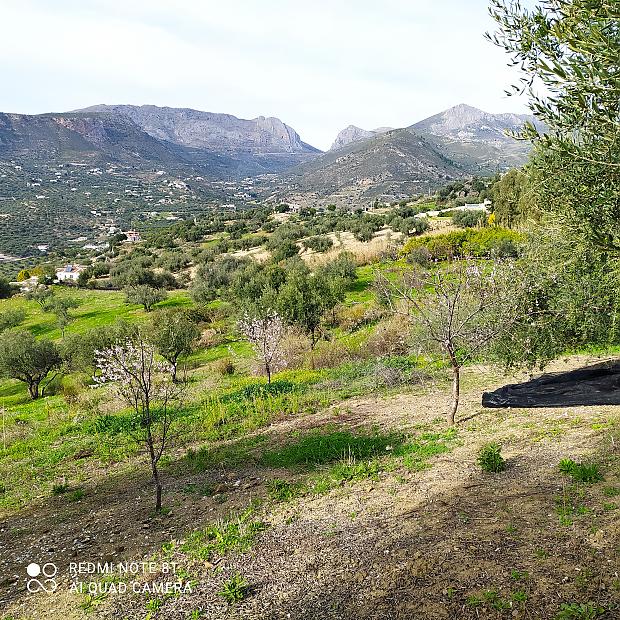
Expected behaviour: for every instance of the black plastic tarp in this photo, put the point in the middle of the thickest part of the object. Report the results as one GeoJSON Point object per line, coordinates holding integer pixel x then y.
{"type": "Point", "coordinates": [591, 385]}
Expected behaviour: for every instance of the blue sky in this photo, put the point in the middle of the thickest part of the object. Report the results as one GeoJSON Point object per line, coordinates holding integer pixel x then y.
{"type": "Point", "coordinates": [319, 66]}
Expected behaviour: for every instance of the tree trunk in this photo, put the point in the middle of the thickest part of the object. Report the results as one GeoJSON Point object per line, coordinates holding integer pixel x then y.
{"type": "Point", "coordinates": [268, 369]}
{"type": "Point", "coordinates": [158, 487]}
{"type": "Point", "coordinates": [33, 389]}
{"type": "Point", "coordinates": [154, 469]}
{"type": "Point", "coordinates": [158, 490]}
{"type": "Point", "coordinates": [456, 392]}
{"type": "Point", "coordinates": [174, 372]}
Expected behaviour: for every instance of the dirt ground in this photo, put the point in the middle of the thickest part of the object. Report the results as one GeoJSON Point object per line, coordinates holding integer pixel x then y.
{"type": "Point", "coordinates": [449, 542]}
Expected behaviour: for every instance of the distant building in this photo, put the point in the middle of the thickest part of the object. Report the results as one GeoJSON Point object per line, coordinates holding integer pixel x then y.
{"type": "Point", "coordinates": [482, 206]}
{"type": "Point", "coordinates": [133, 236]}
{"type": "Point", "coordinates": [70, 273]}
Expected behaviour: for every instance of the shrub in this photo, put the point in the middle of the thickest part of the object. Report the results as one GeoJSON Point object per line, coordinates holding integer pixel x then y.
{"type": "Point", "coordinates": [577, 611]}
{"type": "Point", "coordinates": [420, 256]}
{"type": "Point", "coordinates": [389, 338]}
{"type": "Point", "coordinates": [225, 366]}
{"type": "Point", "coordinates": [282, 491]}
{"type": "Point", "coordinates": [59, 489]}
{"type": "Point", "coordinates": [294, 348]}
{"type": "Point", "coordinates": [70, 389]}
{"type": "Point", "coordinates": [490, 458]}
{"type": "Point", "coordinates": [441, 248]}
{"type": "Point", "coordinates": [351, 318]}
{"type": "Point", "coordinates": [76, 495]}
{"type": "Point", "coordinates": [329, 354]}
{"type": "Point", "coordinates": [387, 376]}
{"type": "Point", "coordinates": [482, 243]}
{"type": "Point", "coordinates": [581, 472]}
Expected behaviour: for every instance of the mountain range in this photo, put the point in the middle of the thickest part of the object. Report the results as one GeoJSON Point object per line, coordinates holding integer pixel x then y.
{"type": "Point", "coordinates": [77, 173]}
{"type": "Point", "coordinates": [222, 145]}
{"type": "Point", "coordinates": [219, 145]}
{"type": "Point", "coordinates": [395, 163]}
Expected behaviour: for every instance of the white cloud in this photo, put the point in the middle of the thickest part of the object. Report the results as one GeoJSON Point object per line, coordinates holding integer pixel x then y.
{"type": "Point", "coordinates": [319, 66]}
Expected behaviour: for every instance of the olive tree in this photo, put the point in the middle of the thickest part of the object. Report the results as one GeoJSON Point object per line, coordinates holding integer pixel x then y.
{"type": "Point", "coordinates": [145, 295]}
{"type": "Point", "coordinates": [59, 307]}
{"type": "Point", "coordinates": [39, 293]}
{"type": "Point", "coordinates": [568, 53]}
{"type": "Point", "coordinates": [173, 335]}
{"type": "Point", "coordinates": [11, 318]}
{"type": "Point", "coordinates": [29, 360]}
{"type": "Point", "coordinates": [6, 290]}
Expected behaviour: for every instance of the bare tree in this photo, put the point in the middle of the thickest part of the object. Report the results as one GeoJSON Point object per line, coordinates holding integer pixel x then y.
{"type": "Point", "coordinates": [265, 334]}
{"type": "Point", "coordinates": [146, 385]}
{"type": "Point", "coordinates": [460, 309]}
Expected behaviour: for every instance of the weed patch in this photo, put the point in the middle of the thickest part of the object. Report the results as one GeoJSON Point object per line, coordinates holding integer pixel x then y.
{"type": "Point", "coordinates": [588, 473]}
{"type": "Point", "coordinates": [220, 538]}
{"type": "Point", "coordinates": [490, 458]}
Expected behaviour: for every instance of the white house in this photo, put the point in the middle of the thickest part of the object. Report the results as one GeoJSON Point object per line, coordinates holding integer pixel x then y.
{"type": "Point", "coordinates": [70, 273]}
{"type": "Point", "coordinates": [133, 236]}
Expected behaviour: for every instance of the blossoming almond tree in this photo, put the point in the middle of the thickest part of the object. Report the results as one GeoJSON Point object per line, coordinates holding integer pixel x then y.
{"type": "Point", "coordinates": [146, 385]}
{"type": "Point", "coordinates": [265, 333]}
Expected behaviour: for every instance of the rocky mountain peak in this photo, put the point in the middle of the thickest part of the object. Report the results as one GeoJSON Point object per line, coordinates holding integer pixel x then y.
{"type": "Point", "coordinates": [352, 133]}
{"type": "Point", "coordinates": [213, 131]}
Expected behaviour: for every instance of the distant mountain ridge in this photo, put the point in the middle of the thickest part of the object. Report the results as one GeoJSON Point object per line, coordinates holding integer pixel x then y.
{"type": "Point", "coordinates": [459, 123]}
{"type": "Point", "coordinates": [219, 145]}
{"type": "Point", "coordinates": [355, 134]}
{"type": "Point", "coordinates": [211, 131]}
{"type": "Point", "coordinates": [362, 165]}
{"type": "Point", "coordinates": [466, 123]}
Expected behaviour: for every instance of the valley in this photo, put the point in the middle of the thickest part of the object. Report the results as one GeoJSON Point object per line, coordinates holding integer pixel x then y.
{"type": "Point", "coordinates": [77, 175]}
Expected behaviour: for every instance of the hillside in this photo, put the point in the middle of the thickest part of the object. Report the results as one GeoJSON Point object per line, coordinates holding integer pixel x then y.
{"type": "Point", "coordinates": [77, 174]}
{"type": "Point", "coordinates": [329, 496]}
{"type": "Point", "coordinates": [396, 163]}
{"type": "Point", "coordinates": [334, 488]}
{"type": "Point", "coordinates": [218, 146]}
{"type": "Point", "coordinates": [212, 132]}
{"type": "Point", "coordinates": [362, 165]}
{"type": "Point", "coordinates": [478, 141]}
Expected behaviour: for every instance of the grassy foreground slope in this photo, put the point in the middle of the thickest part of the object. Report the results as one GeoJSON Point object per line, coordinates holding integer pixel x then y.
{"type": "Point", "coordinates": [363, 509]}
{"type": "Point", "coordinates": [337, 492]}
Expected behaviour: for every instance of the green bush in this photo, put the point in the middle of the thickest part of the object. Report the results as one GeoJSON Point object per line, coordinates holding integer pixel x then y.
{"type": "Point", "coordinates": [60, 489]}
{"type": "Point", "coordinates": [490, 458]}
{"type": "Point", "coordinates": [282, 491]}
{"type": "Point", "coordinates": [579, 611]}
{"type": "Point", "coordinates": [234, 589]}
{"type": "Point", "coordinates": [225, 366]}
